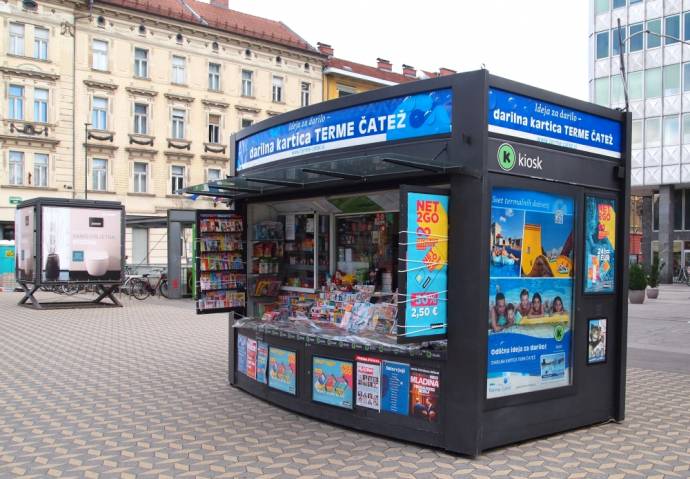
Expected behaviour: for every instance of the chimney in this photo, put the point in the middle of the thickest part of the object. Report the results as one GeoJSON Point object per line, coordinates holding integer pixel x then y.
{"type": "Point", "coordinates": [220, 3]}
{"type": "Point", "coordinates": [384, 65]}
{"type": "Point", "coordinates": [409, 71]}
{"type": "Point", "coordinates": [446, 71]}
{"type": "Point", "coordinates": [325, 48]}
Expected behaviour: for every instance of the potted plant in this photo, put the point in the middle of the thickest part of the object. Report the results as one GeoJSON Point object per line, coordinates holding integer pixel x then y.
{"type": "Point", "coordinates": [653, 278]}
{"type": "Point", "coordinates": [637, 284]}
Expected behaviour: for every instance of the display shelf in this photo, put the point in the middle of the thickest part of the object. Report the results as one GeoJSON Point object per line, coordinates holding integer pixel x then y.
{"type": "Point", "coordinates": [305, 267]}
{"type": "Point", "coordinates": [226, 270]}
{"type": "Point", "coordinates": [297, 289]}
{"type": "Point", "coordinates": [239, 290]}
{"type": "Point", "coordinates": [220, 261]}
{"type": "Point", "coordinates": [222, 251]}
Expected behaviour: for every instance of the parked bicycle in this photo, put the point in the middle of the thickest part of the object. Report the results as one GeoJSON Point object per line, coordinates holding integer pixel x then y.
{"type": "Point", "coordinates": [143, 288]}
{"type": "Point", "coordinates": [683, 276]}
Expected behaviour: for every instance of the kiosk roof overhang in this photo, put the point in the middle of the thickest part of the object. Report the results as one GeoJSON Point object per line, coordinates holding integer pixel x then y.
{"type": "Point", "coordinates": [370, 167]}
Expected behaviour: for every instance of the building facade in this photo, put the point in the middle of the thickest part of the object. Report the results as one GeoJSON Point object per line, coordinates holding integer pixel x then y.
{"type": "Point", "coordinates": [156, 89]}
{"type": "Point", "coordinates": [36, 70]}
{"type": "Point", "coordinates": [657, 63]}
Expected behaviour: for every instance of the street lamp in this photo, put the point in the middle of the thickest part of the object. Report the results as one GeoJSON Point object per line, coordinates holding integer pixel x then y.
{"type": "Point", "coordinates": [86, 160]}
{"type": "Point", "coordinates": [621, 43]}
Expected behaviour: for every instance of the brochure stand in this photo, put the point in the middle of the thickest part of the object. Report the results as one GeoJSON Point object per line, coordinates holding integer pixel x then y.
{"type": "Point", "coordinates": [511, 266]}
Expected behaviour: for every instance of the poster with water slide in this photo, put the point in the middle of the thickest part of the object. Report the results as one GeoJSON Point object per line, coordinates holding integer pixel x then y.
{"type": "Point", "coordinates": [530, 292]}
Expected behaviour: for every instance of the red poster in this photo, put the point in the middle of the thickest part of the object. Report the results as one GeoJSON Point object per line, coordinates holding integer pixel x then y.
{"type": "Point", "coordinates": [424, 394]}
{"type": "Point", "coordinates": [251, 358]}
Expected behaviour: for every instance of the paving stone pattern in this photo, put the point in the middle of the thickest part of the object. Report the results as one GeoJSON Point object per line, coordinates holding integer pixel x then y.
{"type": "Point", "coordinates": [141, 391]}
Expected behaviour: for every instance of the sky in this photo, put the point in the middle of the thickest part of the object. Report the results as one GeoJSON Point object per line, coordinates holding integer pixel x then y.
{"type": "Point", "coordinates": [539, 42]}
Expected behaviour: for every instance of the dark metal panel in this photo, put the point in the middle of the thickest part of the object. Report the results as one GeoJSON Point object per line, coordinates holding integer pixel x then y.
{"type": "Point", "coordinates": [406, 428]}
{"type": "Point", "coordinates": [623, 233]}
{"type": "Point", "coordinates": [544, 163]}
{"type": "Point", "coordinates": [467, 272]}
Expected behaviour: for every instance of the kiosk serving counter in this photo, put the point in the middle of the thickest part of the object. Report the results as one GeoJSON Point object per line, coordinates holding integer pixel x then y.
{"type": "Point", "coordinates": [442, 262]}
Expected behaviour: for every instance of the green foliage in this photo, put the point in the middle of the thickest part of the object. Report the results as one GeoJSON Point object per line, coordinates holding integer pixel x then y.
{"type": "Point", "coordinates": [654, 271]}
{"type": "Point", "coordinates": [638, 280]}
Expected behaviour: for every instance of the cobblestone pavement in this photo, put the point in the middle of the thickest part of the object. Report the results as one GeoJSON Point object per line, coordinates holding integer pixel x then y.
{"type": "Point", "coordinates": [141, 391]}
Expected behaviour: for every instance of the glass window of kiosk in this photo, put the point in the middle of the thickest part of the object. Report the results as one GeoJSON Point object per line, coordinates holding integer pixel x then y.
{"type": "Point", "coordinates": [306, 252]}
{"type": "Point", "coordinates": [328, 272]}
{"type": "Point", "coordinates": [366, 251]}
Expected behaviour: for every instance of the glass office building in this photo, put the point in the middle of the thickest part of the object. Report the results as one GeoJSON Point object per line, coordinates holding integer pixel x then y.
{"type": "Point", "coordinates": [657, 62]}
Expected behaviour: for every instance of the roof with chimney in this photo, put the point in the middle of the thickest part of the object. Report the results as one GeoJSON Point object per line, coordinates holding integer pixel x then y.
{"type": "Point", "coordinates": [382, 73]}
{"type": "Point", "coordinates": [220, 18]}
{"type": "Point", "coordinates": [374, 73]}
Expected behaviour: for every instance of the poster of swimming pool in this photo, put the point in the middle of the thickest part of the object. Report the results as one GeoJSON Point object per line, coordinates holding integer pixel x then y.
{"type": "Point", "coordinates": [530, 292]}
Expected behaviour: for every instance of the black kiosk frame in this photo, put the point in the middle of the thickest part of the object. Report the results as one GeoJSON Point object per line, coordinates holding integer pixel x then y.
{"type": "Point", "coordinates": [505, 138]}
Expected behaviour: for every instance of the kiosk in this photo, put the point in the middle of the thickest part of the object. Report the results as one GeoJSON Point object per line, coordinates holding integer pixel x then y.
{"type": "Point", "coordinates": [442, 262]}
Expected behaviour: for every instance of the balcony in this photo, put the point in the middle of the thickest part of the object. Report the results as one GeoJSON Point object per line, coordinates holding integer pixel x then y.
{"type": "Point", "coordinates": [216, 148]}
{"type": "Point", "coordinates": [141, 139]}
{"type": "Point", "coordinates": [27, 134]}
{"type": "Point", "coordinates": [100, 142]}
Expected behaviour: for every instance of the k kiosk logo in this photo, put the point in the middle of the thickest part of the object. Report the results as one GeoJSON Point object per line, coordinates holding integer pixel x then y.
{"type": "Point", "coordinates": [508, 158]}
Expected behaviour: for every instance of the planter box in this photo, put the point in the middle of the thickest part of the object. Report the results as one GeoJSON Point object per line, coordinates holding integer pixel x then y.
{"type": "Point", "coordinates": [636, 296]}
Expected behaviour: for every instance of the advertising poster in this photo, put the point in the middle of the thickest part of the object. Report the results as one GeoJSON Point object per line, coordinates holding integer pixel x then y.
{"type": "Point", "coordinates": [242, 353]}
{"type": "Point", "coordinates": [25, 248]}
{"type": "Point", "coordinates": [251, 358]}
{"type": "Point", "coordinates": [412, 116]}
{"type": "Point", "coordinates": [261, 361]}
{"type": "Point", "coordinates": [537, 120]}
{"type": "Point", "coordinates": [395, 387]}
{"type": "Point", "coordinates": [332, 382]}
{"type": "Point", "coordinates": [81, 244]}
{"type": "Point", "coordinates": [424, 394]}
{"type": "Point", "coordinates": [369, 382]}
{"type": "Point", "coordinates": [600, 245]}
{"type": "Point", "coordinates": [282, 370]}
{"type": "Point", "coordinates": [596, 340]}
{"type": "Point", "coordinates": [530, 293]}
{"type": "Point", "coordinates": [426, 265]}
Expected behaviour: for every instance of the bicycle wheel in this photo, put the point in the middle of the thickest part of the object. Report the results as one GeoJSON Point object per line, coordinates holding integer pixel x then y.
{"type": "Point", "coordinates": [139, 289]}
{"type": "Point", "coordinates": [70, 289]}
{"type": "Point", "coordinates": [164, 288]}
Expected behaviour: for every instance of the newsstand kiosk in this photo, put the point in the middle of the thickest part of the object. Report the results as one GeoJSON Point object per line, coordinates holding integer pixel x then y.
{"type": "Point", "coordinates": [442, 262]}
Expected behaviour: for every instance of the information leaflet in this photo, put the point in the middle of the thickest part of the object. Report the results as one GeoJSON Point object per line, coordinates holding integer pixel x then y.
{"type": "Point", "coordinates": [395, 387]}
{"type": "Point", "coordinates": [369, 382]}
{"type": "Point", "coordinates": [261, 361]}
{"type": "Point", "coordinates": [242, 353]}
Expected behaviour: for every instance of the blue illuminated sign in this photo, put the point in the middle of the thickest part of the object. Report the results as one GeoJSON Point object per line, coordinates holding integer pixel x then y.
{"type": "Point", "coordinates": [522, 117]}
{"type": "Point", "coordinates": [399, 118]}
